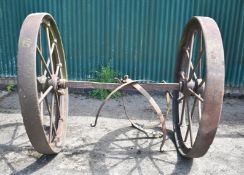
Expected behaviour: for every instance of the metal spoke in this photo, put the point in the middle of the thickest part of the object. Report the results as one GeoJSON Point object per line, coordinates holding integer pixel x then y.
{"type": "Point", "coordinates": [52, 48]}
{"type": "Point", "coordinates": [51, 116]}
{"type": "Point", "coordinates": [49, 61]}
{"type": "Point", "coordinates": [39, 39]}
{"type": "Point", "coordinates": [202, 82]}
{"type": "Point", "coordinates": [199, 57]}
{"type": "Point", "coordinates": [59, 62]}
{"type": "Point", "coordinates": [57, 100]}
{"type": "Point", "coordinates": [182, 74]}
{"type": "Point", "coordinates": [199, 110]}
{"type": "Point", "coordinates": [200, 70]}
{"type": "Point", "coordinates": [196, 95]}
{"type": "Point", "coordinates": [43, 61]}
{"type": "Point", "coordinates": [182, 113]}
{"type": "Point", "coordinates": [189, 123]}
{"type": "Point", "coordinates": [49, 111]}
{"type": "Point", "coordinates": [45, 94]}
{"type": "Point", "coordinates": [49, 48]}
{"type": "Point", "coordinates": [48, 107]}
{"type": "Point", "coordinates": [193, 107]}
{"type": "Point", "coordinates": [193, 72]}
{"type": "Point", "coordinates": [181, 98]}
{"type": "Point", "coordinates": [58, 57]}
{"type": "Point", "coordinates": [57, 70]}
{"type": "Point", "coordinates": [40, 46]}
{"type": "Point", "coordinates": [200, 49]}
{"type": "Point", "coordinates": [41, 106]}
{"type": "Point", "coordinates": [189, 56]}
{"type": "Point", "coordinates": [192, 112]}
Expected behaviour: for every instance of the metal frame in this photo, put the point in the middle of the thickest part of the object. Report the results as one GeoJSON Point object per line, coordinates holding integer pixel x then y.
{"type": "Point", "coordinates": [42, 75]}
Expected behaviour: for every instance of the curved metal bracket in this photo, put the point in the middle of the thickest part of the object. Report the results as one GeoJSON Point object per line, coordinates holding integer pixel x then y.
{"type": "Point", "coordinates": [155, 107]}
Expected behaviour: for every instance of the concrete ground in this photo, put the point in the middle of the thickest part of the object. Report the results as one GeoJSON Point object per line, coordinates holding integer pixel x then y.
{"type": "Point", "coordinates": [113, 147]}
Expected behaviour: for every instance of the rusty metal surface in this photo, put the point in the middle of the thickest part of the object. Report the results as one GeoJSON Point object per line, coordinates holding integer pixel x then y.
{"type": "Point", "coordinates": [207, 72]}
{"type": "Point", "coordinates": [46, 139]}
{"type": "Point", "coordinates": [126, 82]}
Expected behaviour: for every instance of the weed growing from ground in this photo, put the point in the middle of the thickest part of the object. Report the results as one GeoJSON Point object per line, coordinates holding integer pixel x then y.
{"type": "Point", "coordinates": [10, 87]}
{"type": "Point", "coordinates": [105, 74]}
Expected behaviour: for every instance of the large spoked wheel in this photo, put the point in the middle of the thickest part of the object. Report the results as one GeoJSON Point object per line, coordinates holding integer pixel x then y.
{"type": "Point", "coordinates": [200, 72]}
{"type": "Point", "coordinates": [41, 76]}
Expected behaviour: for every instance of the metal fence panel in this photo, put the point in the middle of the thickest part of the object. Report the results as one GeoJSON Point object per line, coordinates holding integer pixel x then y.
{"type": "Point", "coordinates": [136, 37]}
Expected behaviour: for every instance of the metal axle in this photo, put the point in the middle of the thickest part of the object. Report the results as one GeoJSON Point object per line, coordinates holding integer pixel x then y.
{"type": "Point", "coordinates": [111, 86]}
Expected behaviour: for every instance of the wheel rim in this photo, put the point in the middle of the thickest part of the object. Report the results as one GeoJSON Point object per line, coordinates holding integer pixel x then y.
{"type": "Point", "coordinates": [41, 71]}
{"type": "Point", "coordinates": [197, 106]}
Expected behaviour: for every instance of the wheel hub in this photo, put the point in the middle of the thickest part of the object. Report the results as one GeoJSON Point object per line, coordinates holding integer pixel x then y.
{"type": "Point", "coordinates": [194, 85]}
{"type": "Point", "coordinates": [53, 82]}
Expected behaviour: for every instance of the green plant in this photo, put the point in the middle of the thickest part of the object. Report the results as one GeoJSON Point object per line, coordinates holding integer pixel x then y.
{"type": "Point", "coordinates": [10, 87]}
{"type": "Point", "coordinates": [105, 74]}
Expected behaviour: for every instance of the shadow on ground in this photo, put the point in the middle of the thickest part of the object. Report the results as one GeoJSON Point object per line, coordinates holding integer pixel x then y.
{"type": "Point", "coordinates": [20, 149]}
{"type": "Point", "coordinates": [122, 151]}
{"type": "Point", "coordinates": [130, 158]}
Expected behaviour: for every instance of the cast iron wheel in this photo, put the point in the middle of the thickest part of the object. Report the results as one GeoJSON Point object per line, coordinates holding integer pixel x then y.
{"type": "Point", "coordinates": [41, 73]}
{"type": "Point", "coordinates": [200, 72]}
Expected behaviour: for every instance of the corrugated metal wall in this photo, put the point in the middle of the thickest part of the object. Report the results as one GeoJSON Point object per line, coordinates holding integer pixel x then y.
{"type": "Point", "coordinates": [137, 37]}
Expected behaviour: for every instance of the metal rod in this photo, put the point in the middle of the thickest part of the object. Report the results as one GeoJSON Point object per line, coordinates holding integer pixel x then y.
{"type": "Point", "coordinates": [182, 118]}
{"type": "Point", "coordinates": [99, 85]}
{"type": "Point", "coordinates": [51, 116]}
{"type": "Point", "coordinates": [49, 48]}
{"type": "Point", "coordinates": [45, 94]}
{"type": "Point", "coordinates": [196, 95]}
{"type": "Point", "coordinates": [44, 62]}
{"type": "Point", "coordinates": [40, 46]}
{"type": "Point", "coordinates": [189, 122]}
